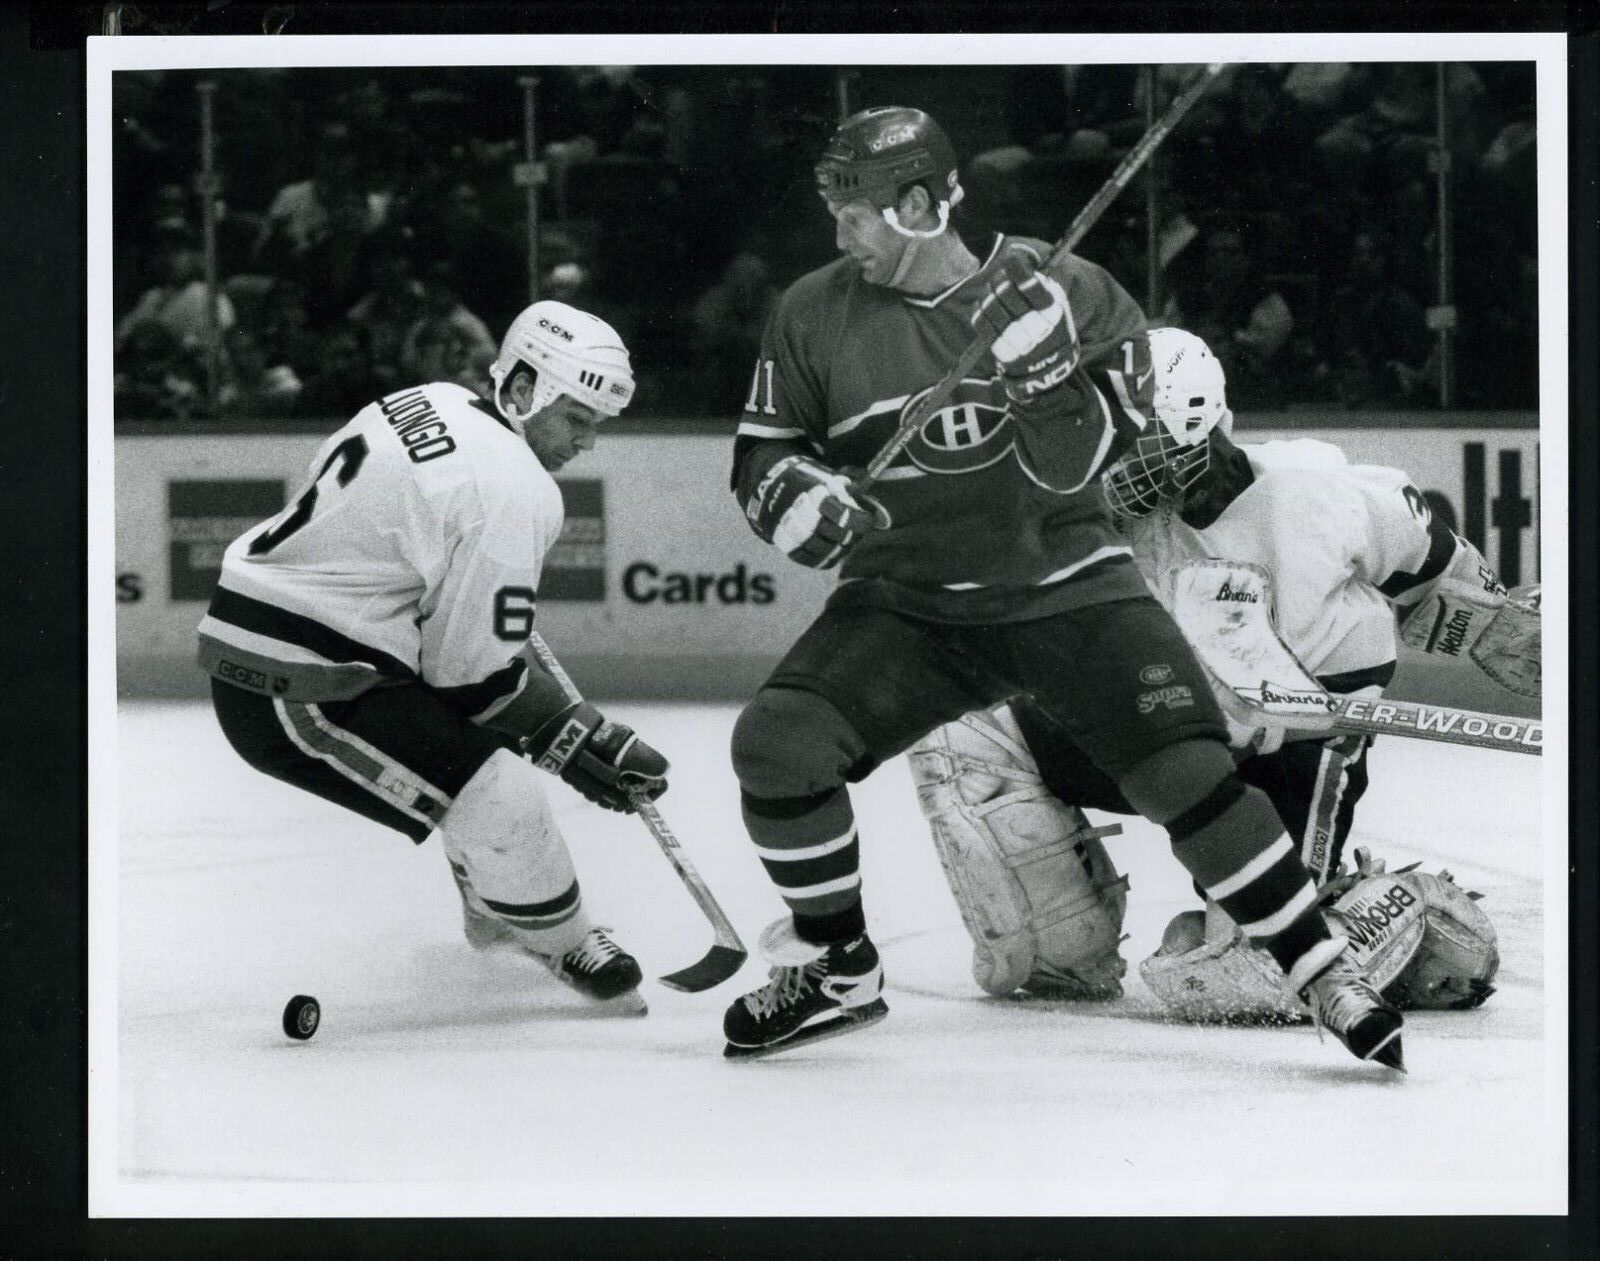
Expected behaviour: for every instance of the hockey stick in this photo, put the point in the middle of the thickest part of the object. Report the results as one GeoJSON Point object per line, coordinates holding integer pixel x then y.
{"type": "Point", "coordinates": [1224, 608]}
{"type": "Point", "coordinates": [727, 953]}
{"type": "Point", "coordinates": [917, 415]}
{"type": "Point", "coordinates": [1316, 709]}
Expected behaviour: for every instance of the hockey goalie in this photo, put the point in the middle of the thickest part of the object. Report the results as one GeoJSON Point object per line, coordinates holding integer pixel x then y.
{"type": "Point", "coordinates": [1351, 562]}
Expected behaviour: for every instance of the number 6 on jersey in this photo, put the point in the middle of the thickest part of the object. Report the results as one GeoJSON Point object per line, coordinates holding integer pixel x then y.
{"type": "Point", "coordinates": [348, 455]}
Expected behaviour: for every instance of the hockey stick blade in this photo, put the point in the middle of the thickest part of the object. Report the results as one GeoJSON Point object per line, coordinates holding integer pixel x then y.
{"type": "Point", "coordinates": [720, 963]}
{"type": "Point", "coordinates": [728, 953]}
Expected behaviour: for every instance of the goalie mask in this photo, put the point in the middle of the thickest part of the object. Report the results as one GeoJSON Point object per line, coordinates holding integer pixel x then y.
{"type": "Point", "coordinates": [1190, 401]}
{"type": "Point", "coordinates": [570, 352]}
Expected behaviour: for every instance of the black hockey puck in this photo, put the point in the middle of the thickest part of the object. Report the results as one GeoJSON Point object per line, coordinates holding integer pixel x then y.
{"type": "Point", "coordinates": [301, 1017]}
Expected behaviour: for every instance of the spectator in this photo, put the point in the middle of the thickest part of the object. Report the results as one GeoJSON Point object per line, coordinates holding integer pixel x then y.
{"type": "Point", "coordinates": [449, 342]}
{"type": "Point", "coordinates": [300, 213]}
{"type": "Point", "coordinates": [1319, 88]}
{"type": "Point", "coordinates": [333, 270]}
{"type": "Point", "coordinates": [567, 282]}
{"type": "Point", "coordinates": [169, 209]}
{"type": "Point", "coordinates": [1246, 322]}
{"type": "Point", "coordinates": [1389, 140]}
{"type": "Point", "coordinates": [344, 381]}
{"type": "Point", "coordinates": [284, 330]}
{"type": "Point", "coordinates": [178, 302]}
{"type": "Point", "coordinates": [255, 389]}
{"type": "Point", "coordinates": [138, 262]}
{"type": "Point", "coordinates": [154, 379]}
{"type": "Point", "coordinates": [379, 136]}
{"type": "Point", "coordinates": [1255, 160]}
{"type": "Point", "coordinates": [456, 232]}
{"type": "Point", "coordinates": [391, 307]}
{"type": "Point", "coordinates": [1379, 341]}
{"type": "Point", "coordinates": [1508, 173]}
{"type": "Point", "coordinates": [728, 321]}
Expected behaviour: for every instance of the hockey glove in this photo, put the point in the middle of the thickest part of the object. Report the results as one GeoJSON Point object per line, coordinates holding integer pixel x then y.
{"type": "Point", "coordinates": [806, 510]}
{"type": "Point", "coordinates": [603, 760]}
{"type": "Point", "coordinates": [1027, 313]}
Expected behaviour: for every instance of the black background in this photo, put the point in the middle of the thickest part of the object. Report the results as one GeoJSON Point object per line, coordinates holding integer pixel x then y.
{"type": "Point", "coordinates": [44, 910]}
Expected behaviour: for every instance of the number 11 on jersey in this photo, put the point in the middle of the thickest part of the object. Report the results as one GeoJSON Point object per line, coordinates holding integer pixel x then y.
{"type": "Point", "coordinates": [763, 372]}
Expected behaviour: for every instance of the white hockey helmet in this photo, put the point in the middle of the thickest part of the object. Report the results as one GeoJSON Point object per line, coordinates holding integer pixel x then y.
{"type": "Point", "coordinates": [570, 352]}
{"type": "Point", "coordinates": [1190, 400]}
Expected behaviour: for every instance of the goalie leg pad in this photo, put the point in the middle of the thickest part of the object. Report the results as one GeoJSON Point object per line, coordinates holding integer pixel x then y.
{"type": "Point", "coordinates": [1037, 891]}
{"type": "Point", "coordinates": [510, 860]}
{"type": "Point", "coordinates": [1217, 978]}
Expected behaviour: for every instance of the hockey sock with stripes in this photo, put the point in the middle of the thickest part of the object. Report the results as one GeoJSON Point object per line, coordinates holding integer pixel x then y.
{"type": "Point", "coordinates": [1234, 844]}
{"type": "Point", "coordinates": [808, 846]}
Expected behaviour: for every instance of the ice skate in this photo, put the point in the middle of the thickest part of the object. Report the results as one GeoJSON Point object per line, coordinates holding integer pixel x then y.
{"type": "Point", "coordinates": [815, 992]}
{"type": "Point", "coordinates": [1342, 1002]}
{"type": "Point", "coordinates": [600, 969]}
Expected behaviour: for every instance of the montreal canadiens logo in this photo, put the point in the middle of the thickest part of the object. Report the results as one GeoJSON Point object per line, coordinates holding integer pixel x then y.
{"type": "Point", "coordinates": [970, 432]}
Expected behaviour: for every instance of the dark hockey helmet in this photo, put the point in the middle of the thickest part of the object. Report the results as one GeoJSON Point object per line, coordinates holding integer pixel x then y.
{"type": "Point", "coordinates": [877, 152]}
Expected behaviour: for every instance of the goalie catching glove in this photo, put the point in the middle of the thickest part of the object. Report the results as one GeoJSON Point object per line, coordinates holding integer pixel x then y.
{"type": "Point", "coordinates": [1497, 631]}
{"type": "Point", "coordinates": [806, 510]}
{"type": "Point", "coordinates": [1026, 311]}
{"type": "Point", "coordinates": [603, 760]}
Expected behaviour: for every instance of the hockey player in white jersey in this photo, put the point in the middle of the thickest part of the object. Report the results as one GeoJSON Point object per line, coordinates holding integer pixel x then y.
{"type": "Point", "coordinates": [1345, 547]}
{"type": "Point", "coordinates": [369, 644]}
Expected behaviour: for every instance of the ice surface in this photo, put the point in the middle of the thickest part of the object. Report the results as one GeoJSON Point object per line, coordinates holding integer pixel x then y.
{"type": "Point", "coordinates": [442, 1081]}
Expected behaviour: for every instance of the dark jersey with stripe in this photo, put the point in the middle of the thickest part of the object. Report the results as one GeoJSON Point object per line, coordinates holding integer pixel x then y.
{"type": "Point", "coordinates": [995, 517]}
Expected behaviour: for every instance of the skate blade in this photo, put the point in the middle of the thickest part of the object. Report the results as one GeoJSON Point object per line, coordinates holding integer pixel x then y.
{"type": "Point", "coordinates": [1389, 1053]}
{"type": "Point", "coordinates": [843, 1022]}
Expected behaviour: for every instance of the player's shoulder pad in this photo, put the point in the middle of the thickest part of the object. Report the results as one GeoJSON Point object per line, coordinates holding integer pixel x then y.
{"type": "Point", "coordinates": [818, 289]}
{"type": "Point", "coordinates": [1293, 453]}
{"type": "Point", "coordinates": [448, 397]}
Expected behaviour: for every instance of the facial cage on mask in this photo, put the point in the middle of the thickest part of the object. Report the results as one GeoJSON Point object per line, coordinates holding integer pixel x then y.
{"type": "Point", "coordinates": [1158, 469]}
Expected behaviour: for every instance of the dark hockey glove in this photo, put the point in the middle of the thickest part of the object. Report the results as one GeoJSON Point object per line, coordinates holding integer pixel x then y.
{"type": "Point", "coordinates": [603, 760]}
{"type": "Point", "coordinates": [1027, 313]}
{"type": "Point", "coordinates": [805, 509]}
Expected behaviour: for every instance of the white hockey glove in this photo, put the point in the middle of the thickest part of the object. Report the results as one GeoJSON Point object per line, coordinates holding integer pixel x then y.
{"type": "Point", "coordinates": [603, 760]}
{"type": "Point", "coordinates": [805, 509]}
{"type": "Point", "coordinates": [1035, 339]}
{"type": "Point", "coordinates": [1498, 633]}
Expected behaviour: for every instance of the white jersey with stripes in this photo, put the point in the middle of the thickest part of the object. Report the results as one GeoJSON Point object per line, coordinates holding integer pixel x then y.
{"type": "Point", "coordinates": [1341, 541]}
{"type": "Point", "coordinates": [413, 551]}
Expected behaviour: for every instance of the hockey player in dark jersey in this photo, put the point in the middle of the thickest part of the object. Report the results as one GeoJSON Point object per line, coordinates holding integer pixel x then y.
{"type": "Point", "coordinates": [989, 566]}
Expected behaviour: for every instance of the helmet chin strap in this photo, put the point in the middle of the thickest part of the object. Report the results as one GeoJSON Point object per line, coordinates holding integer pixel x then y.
{"type": "Point", "coordinates": [892, 218]}
{"type": "Point", "coordinates": [517, 420]}
{"type": "Point", "coordinates": [914, 239]}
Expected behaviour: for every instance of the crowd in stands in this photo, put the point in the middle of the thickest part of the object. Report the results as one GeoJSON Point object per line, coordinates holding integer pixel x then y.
{"type": "Point", "coordinates": [369, 231]}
